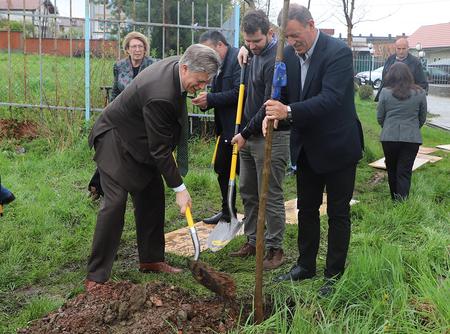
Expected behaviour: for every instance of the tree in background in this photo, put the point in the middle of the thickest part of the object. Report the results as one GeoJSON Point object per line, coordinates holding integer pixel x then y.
{"type": "Point", "coordinates": [165, 11]}
{"type": "Point", "coordinates": [354, 15]}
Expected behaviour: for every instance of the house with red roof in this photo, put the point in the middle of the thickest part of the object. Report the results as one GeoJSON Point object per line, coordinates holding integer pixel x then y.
{"type": "Point", "coordinates": [434, 40]}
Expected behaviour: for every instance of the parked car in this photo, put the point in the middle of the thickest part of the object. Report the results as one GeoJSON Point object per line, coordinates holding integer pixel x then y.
{"type": "Point", "coordinates": [362, 78]}
{"type": "Point", "coordinates": [437, 75]}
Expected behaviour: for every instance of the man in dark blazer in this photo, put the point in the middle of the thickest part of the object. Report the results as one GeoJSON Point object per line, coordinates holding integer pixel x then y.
{"type": "Point", "coordinates": [223, 97]}
{"type": "Point", "coordinates": [326, 140]}
{"type": "Point", "coordinates": [133, 139]}
{"type": "Point", "coordinates": [402, 55]}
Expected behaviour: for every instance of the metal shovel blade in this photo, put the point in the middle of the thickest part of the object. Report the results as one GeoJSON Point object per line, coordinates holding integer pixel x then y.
{"type": "Point", "coordinates": [223, 233]}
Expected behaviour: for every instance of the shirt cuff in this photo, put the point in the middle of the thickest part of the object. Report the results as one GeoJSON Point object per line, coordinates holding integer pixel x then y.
{"type": "Point", "coordinates": [179, 188]}
{"type": "Point", "coordinates": [246, 133]}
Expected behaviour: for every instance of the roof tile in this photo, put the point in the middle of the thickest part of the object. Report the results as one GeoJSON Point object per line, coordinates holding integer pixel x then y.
{"type": "Point", "coordinates": [431, 36]}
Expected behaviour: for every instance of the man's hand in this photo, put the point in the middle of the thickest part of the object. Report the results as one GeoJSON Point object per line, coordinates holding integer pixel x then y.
{"type": "Point", "coordinates": [242, 55]}
{"type": "Point", "coordinates": [265, 124]}
{"type": "Point", "coordinates": [275, 110]}
{"type": "Point", "coordinates": [183, 200]}
{"type": "Point", "coordinates": [239, 140]}
{"type": "Point", "coordinates": [201, 100]}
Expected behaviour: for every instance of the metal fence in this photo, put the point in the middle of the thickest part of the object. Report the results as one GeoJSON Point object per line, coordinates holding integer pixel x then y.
{"type": "Point", "coordinates": [63, 62]}
{"type": "Point", "coordinates": [368, 69]}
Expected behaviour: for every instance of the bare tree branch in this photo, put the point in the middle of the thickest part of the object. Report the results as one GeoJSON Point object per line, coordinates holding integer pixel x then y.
{"type": "Point", "coordinates": [354, 15]}
{"type": "Point", "coordinates": [251, 3]}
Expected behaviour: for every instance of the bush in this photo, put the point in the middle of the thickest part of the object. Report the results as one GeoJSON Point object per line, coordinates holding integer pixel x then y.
{"type": "Point", "coordinates": [356, 87]}
{"type": "Point", "coordinates": [365, 92]}
{"type": "Point", "coordinates": [16, 26]}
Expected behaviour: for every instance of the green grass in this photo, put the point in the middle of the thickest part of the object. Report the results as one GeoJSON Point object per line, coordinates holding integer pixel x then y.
{"type": "Point", "coordinates": [398, 263]}
{"type": "Point", "coordinates": [62, 79]}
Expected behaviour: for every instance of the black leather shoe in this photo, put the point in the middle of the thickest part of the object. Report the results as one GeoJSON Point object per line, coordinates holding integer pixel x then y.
{"type": "Point", "coordinates": [9, 199]}
{"type": "Point", "coordinates": [297, 273]}
{"type": "Point", "coordinates": [327, 288]}
{"type": "Point", "coordinates": [214, 219]}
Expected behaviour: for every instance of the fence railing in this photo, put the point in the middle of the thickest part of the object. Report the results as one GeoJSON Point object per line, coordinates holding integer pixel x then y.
{"type": "Point", "coordinates": [436, 72]}
{"type": "Point", "coordinates": [43, 55]}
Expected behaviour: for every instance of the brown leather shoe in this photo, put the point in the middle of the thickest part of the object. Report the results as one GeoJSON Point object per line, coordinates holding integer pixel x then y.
{"type": "Point", "coordinates": [273, 259]}
{"type": "Point", "coordinates": [90, 286]}
{"type": "Point", "coordinates": [158, 267]}
{"type": "Point", "coordinates": [246, 250]}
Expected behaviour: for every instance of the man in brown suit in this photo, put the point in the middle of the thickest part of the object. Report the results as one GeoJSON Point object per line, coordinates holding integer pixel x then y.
{"type": "Point", "coordinates": [133, 139]}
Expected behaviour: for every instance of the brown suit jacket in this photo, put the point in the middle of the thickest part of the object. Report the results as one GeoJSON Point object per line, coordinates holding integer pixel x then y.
{"type": "Point", "coordinates": [146, 119]}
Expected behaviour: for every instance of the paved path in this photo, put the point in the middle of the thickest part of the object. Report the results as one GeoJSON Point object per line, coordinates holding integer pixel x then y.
{"type": "Point", "coordinates": [440, 108]}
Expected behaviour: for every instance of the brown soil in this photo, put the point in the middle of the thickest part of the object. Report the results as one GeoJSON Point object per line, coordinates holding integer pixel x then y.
{"type": "Point", "coordinates": [377, 178]}
{"type": "Point", "coordinates": [15, 129]}
{"type": "Point", "coordinates": [125, 307]}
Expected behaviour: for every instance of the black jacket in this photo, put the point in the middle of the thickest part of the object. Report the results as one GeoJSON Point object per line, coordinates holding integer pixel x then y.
{"type": "Point", "coordinates": [324, 120]}
{"type": "Point", "coordinates": [414, 65]}
{"type": "Point", "coordinates": [224, 95]}
{"type": "Point", "coordinates": [259, 83]}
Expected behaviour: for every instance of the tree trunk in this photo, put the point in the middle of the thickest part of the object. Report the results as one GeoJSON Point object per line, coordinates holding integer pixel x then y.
{"type": "Point", "coordinates": [349, 36]}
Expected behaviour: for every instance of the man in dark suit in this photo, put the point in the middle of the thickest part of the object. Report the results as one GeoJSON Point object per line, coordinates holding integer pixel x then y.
{"type": "Point", "coordinates": [134, 138]}
{"type": "Point", "coordinates": [402, 55]}
{"type": "Point", "coordinates": [326, 138]}
{"type": "Point", "coordinates": [223, 98]}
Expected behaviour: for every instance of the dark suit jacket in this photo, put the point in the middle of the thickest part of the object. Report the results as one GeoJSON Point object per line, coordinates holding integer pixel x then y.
{"type": "Point", "coordinates": [147, 118]}
{"type": "Point", "coordinates": [414, 65]}
{"type": "Point", "coordinates": [224, 95]}
{"type": "Point", "coordinates": [324, 120]}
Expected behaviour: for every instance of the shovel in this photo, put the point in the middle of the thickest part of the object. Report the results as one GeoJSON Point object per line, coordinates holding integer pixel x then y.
{"type": "Point", "coordinates": [213, 160]}
{"type": "Point", "coordinates": [224, 232]}
{"type": "Point", "coordinates": [220, 283]}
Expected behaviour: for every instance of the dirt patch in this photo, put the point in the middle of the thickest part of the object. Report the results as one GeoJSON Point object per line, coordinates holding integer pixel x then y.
{"type": "Point", "coordinates": [125, 307]}
{"type": "Point", "coordinates": [377, 178]}
{"type": "Point", "coordinates": [15, 129]}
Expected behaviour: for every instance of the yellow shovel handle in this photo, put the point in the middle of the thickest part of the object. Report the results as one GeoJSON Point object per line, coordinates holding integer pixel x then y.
{"type": "Point", "coordinates": [240, 103]}
{"type": "Point", "coordinates": [189, 219]}
{"type": "Point", "coordinates": [213, 160]}
{"type": "Point", "coordinates": [234, 162]}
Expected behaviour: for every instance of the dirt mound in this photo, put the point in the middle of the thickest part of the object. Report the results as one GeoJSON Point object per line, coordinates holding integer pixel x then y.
{"type": "Point", "coordinates": [15, 129]}
{"type": "Point", "coordinates": [125, 307]}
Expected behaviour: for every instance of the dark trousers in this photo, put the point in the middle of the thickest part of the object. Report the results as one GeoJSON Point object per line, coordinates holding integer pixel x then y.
{"type": "Point", "coordinates": [149, 205]}
{"type": "Point", "coordinates": [222, 166]}
{"type": "Point", "coordinates": [399, 159]}
{"type": "Point", "coordinates": [310, 186]}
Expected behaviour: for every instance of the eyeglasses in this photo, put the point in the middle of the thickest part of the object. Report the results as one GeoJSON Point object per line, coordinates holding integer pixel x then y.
{"type": "Point", "coordinates": [135, 47]}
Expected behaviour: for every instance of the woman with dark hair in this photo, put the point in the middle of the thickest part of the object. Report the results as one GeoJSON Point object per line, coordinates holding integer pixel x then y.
{"type": "Point", "coordinates": [401, 112]}
{"type": "Point", "coordinates": [136, 47]}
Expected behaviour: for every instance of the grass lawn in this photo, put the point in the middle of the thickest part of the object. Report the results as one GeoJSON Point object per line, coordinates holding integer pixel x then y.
{"type": "Point", "coordinates": [398, 265]}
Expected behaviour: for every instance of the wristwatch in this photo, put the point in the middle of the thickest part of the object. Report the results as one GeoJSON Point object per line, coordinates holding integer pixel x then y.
{"type": "Point", "coordinates": [289, 114]}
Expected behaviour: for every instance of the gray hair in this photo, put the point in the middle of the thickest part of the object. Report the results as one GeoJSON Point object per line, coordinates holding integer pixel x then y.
{"type": "Point", "coordinates": [201, 58]}
{"type": "Point", "coordinates": [135, 35]}
{"type": "Point", "coordinates": [296, 12]}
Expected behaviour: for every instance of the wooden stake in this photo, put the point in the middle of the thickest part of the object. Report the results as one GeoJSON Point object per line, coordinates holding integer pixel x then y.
{"type": "Point", "coordinates": [258, 299]}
